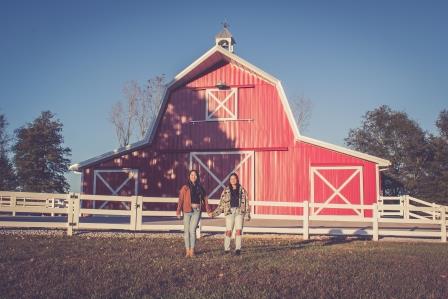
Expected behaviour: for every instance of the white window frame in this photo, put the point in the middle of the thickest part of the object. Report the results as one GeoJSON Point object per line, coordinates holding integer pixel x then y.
{"type": "Point", "coordinates": [209, 95]}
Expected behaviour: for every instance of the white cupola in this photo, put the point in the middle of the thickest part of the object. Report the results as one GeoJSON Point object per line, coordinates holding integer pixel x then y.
{"type": "Point", "coordinates": [225, 39]}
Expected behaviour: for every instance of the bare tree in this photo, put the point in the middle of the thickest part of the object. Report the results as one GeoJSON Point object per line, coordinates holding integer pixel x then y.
{"type": "Point", "coordinates": [149, 103]}
{"type": "Point", "coordinates": [117, 119]}
{"type": "Point", "coordinates": [123, 117]}
{"type": "Point", "coordinates": [139, 110]}
{"type": "Point", "coordinates": [302, 108]}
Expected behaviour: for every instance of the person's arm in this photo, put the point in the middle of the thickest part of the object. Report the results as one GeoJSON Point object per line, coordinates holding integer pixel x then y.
{"type": "Point", "coordinates": [180, 202]}
{"type": "Point", "coordinates": [219, 209]}
{"type": "Point", "coordinates": [207, 207]}
{"type": "Point", "coordinates": [205, 201]}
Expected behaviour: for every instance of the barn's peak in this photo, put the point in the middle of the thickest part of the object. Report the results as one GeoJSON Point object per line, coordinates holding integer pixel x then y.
{"type": "Point", "coordinates": [224, 38]}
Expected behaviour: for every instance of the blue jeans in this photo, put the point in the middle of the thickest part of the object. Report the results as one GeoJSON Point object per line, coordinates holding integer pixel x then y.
{"type": "Point", "coordinates": [235, 221]}
{"type": "Point", "coordinates": [191, 221]}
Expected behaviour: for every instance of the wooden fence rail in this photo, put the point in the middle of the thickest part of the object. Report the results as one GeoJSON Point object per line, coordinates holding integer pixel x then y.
{"type": "Point", "coordinates": [71, 212]}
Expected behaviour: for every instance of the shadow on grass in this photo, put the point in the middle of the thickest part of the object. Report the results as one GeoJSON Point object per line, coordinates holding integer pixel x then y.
{"type": "Point", "coordinates": [336, 240]}
{"type": "Point", "coordinates": [279, 246]}
{"type": "Point", "coordinates": [337, 237]}
{"type": "Point", "coordinates": [250, 245]}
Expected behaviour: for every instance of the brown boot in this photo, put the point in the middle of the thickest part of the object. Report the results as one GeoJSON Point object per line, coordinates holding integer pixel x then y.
{"type": "Point", "coordinates": [187, 252]}
{"type": "Point", "coordinates": [191, 252]}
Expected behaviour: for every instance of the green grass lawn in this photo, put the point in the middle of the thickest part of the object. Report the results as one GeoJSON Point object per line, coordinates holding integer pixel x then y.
{"type": "Point", "coordinates": [153, 266]}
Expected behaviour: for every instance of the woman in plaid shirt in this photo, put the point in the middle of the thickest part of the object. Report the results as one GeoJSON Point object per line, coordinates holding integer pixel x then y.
{"type": "Point", "coordinates": [235, 206]}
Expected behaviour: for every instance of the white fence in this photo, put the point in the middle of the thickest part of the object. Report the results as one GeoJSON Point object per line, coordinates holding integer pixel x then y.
{"type": "Point", "coordinates": [405, 209]}
{"type": "Point", "coordinates": [393, 216]}
{"type": "Point", "coordinates": [30, 204]}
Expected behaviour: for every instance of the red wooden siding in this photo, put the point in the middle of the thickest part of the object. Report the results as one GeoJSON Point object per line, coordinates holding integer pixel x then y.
{"type": "Point", "coordinates": [261, 116]}
{"type": "Point", "coordinates": [229, 73]}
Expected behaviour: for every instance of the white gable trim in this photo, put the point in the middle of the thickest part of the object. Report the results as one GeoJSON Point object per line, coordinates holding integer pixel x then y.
{"type": "Point", "coordinates": [76, 166]}
{"type": "Point", "coordinates": [340, 149]}
{"type": "Point", "coordinates": [288, 111]}
{"type": "Point", "coordinates": [194, 64]}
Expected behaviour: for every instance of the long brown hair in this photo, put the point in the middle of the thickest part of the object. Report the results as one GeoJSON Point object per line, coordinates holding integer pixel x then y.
{"type": "Point", "coordinates": [198, 182]}
{"type": "Point", "coordinates": [197, 187]}
{"type": "Point", "coordinates": [237, 180]}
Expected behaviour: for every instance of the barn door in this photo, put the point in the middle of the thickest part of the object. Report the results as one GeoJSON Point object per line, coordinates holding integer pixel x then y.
{"type": "Point", "coordinates": [337, 185]}
{"type": "Point", "coordinates": [215, 169]}
{"type": "Point", "coordinates": [115, 182]}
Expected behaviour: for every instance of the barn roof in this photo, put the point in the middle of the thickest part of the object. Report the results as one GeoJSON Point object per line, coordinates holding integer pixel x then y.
{"type": "Point", "coordinates": [208, 59]}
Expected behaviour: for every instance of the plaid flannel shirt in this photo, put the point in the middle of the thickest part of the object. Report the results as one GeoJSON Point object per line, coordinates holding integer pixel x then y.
{"type": "Point", "coordinates": [224, 203]}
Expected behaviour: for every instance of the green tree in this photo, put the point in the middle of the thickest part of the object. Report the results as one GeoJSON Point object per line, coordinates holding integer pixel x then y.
{"type": "Point", "coordinates": [392, 135]}
{"type": "Point", "coordinates": [436, 185]}
{"type": "Point", "coordinates": [39, 157]}
{"type": "Point", "coordinates": [8, 180]}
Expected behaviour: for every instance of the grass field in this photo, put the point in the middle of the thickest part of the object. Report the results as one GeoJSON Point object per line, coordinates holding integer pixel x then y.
{"type": "Point", "coordinates": [152, 266]}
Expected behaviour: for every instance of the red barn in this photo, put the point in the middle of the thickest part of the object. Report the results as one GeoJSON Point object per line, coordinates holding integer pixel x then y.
{"type": "Point", "coordinates": [221, 115]}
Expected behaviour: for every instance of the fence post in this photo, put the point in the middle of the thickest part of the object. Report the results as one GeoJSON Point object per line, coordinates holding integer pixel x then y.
{"type": "Point", "coordinates": [76, 209]}
{"type": "Point", "coordinates": [443, 223]}
{"type": "Point", "coordinates": [433, 211]}
{"type": "Point", "coordinates": [133, 211]}
{"type": "Point", "coordinates": [139, 220]}
{"type": "Point", "coordinates": [406, 207]}
{"type": "Point", "coordinates": [13, 204]}
{"type": "Point", "coordinates": [375, 234]}
{"type": "Point", "coordinates": [52, 205]}
{"type": "Point", "coordinates": [306, 220]}
{"type": "Point", "coordinates": [70, 214]}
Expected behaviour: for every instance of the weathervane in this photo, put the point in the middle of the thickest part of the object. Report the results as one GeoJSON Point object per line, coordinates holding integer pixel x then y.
{"type": "Point", "coordinates": [225, 24]}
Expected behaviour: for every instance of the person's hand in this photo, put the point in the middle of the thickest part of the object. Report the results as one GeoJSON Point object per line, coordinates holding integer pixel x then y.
{"type": "Point", "coordinates": [178, 216]}
{"type": "Point", "coordinates": [210, 214]}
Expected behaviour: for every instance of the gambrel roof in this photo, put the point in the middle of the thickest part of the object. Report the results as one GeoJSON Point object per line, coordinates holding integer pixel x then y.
{"type": "Point", "coordinates": [212, 57]}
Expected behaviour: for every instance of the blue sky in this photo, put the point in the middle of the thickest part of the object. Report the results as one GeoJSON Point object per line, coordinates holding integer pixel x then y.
{"type": "Point", "coordinates": [348, 57]}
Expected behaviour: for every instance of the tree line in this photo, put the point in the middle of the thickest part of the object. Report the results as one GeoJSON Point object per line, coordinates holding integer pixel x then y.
{"type": "Point", "coordinates": [419, 158]}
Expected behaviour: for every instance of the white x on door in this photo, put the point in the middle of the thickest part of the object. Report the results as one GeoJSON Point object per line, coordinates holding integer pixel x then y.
{"type": "Point", "coordinates": [221, 104]}
{"type": "Point", "coordinates": [215, 169]}
{"type": "Point", "coordinates": [115, 180]}
{"type": "Point", "coordinates": [342, 185]}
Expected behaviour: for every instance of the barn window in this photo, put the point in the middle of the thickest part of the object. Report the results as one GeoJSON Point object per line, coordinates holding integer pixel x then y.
{"type": "Point", "coordinates": [221, 104]}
